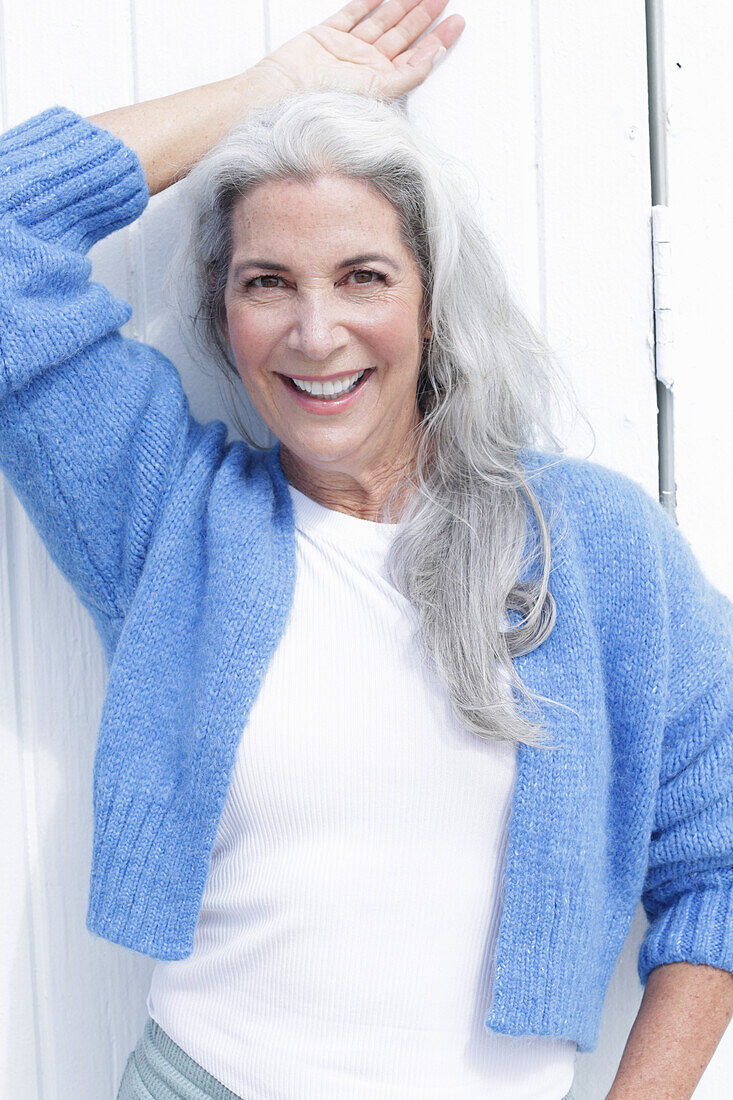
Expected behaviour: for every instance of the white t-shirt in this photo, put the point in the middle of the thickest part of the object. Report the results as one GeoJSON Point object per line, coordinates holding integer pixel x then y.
{"type": "Point", "coordinates": [344, 949]}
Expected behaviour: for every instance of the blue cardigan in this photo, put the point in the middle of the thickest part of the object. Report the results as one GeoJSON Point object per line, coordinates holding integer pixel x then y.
{"type": "Point", "coordinates": [181, 547]}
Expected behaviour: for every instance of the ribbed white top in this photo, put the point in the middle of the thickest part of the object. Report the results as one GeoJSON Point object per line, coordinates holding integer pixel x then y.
{"type": "Point", "coordinates": [345, 943]}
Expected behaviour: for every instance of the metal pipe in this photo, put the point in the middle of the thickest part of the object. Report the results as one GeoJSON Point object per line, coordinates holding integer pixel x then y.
{"type": "Point", "coordinates": [660, 198]}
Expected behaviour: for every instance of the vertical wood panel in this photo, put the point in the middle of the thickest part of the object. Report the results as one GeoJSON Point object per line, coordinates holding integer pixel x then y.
{"type": "Point", "coordinates": [18, 1046]}
{"type": "Point", "coordinates": [591, 68]}
{"type": "Point", "coordinates": [73, 53]}
{"type": "Point", "coordinates": [58, 982]}
{"type": "Point", "coordinates": [19, 1066]}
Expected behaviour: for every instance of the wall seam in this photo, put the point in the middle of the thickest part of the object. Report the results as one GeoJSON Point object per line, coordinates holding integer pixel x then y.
{"type": "Point", "coordinates": [13, 557]}
{"type": "Point", "coordinates": [134, 252]}
{"type": "Point", "coordinates": [656, 95]}
{"type": "Point", "coordinates": [3, 71]}
{"type": "Point", "coordinates": [11, 528]}
{"type": "Point", "coordinates": [266, 25]}
{"type": "Point", "coordinates": [539, 163]}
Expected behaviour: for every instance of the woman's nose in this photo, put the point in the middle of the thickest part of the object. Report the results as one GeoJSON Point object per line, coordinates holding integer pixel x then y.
{"type": "Point", "coordinates": [317, 331]}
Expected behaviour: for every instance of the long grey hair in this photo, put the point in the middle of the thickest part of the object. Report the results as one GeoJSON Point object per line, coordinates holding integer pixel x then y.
{"type": "Point", "coordinates": [487, 386]}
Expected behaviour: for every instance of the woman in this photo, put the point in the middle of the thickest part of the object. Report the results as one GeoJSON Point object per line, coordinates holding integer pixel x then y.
{"type": "Point", "coordinates": [388, 755]}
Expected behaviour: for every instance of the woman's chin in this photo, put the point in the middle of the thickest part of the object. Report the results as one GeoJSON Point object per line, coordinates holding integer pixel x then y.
{"type": "Point", "coordinates": [327, 450]}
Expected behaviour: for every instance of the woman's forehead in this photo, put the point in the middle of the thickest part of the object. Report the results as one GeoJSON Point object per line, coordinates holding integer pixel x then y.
{"type": "Point", "coordinates": [328, 201]}
{"type": "Point", "coordinates": [326, 216]}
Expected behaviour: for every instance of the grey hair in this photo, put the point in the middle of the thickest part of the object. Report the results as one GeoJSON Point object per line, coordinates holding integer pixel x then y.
{"type": "Point", "coordinates": [486, 385]}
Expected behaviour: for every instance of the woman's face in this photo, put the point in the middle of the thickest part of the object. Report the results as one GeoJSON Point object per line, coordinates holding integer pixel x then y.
{"type": "Point", "coordinates": [321, 286]}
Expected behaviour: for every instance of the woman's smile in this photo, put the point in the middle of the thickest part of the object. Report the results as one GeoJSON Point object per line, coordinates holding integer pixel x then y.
{"type": "Point", "coordinates": [322, 397]}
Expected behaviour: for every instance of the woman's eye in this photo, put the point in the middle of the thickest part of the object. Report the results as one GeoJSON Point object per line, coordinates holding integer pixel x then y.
{"type": "Point", "coordinates": [254, 282]}
{"type": "Point", "coordinates": [368, 282]}
{"type": "Point", "coordinates": [371, 278]}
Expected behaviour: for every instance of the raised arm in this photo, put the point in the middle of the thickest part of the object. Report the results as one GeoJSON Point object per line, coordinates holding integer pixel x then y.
{"type": "Point", "coordinates": [366, 47]}
{"type": "Point", "coordinates": [95, 429]}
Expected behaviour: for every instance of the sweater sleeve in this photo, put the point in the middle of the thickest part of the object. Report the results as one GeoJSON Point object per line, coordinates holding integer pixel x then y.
{"type": "Point", "coordinates": [94, 427]}
{"type": "Point", "coordinates": [688, 888]}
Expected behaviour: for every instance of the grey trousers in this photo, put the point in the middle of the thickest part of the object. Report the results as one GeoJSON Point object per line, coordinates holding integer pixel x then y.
{"type": "Point", "coordinates": [158, 1069]}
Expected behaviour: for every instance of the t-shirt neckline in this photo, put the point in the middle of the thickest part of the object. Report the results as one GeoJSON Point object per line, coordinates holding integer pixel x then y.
{"type": "Point", "coordinates": [314, 518]}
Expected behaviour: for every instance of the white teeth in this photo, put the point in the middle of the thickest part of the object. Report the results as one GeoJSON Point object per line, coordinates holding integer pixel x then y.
{"type": "Point", "coordinates": [329, 389]}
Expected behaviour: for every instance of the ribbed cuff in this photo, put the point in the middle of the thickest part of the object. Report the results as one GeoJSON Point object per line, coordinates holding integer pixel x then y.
{"type": "Point", "coordinates": [698, 928]}
{"type": "Point", "coordinates": [68, 180]}
{"type": "Point", "coordinates": [147, 875]}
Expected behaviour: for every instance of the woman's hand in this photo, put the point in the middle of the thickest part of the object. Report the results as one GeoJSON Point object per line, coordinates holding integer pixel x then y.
{"type": "Point", "coordinates": [374, 56]}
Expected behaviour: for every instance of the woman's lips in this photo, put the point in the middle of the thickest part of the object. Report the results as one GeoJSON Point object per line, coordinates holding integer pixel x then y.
{"type": "Point", "coordinates": [328, 406]}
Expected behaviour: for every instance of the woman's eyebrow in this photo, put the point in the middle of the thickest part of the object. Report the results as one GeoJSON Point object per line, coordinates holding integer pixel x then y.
{"type": "Point", "coordinates": [370, 257]}
{"type": "Point", "coordinates": [364, 258]}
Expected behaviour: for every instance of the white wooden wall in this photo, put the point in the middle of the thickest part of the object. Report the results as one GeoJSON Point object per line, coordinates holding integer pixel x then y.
{"type": "Point", "coordinates": [547, 103]}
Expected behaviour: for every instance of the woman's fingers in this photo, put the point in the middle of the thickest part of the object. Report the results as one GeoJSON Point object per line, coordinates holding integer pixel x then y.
{"type": "Point", "coordinates": [402, 37]}
{"type": "Point", "coordinates": [391, 27]}
{"type": "Point", "coordinates": [327, 56]}
{"type": "Point", "coordinates": [345, 19]}
{"type": "Point", "coordinates": [414, 65]}
{"type": "Point", "coordinates": [389, 16]}
{"type": "Point", "coordinates": [445, 34]}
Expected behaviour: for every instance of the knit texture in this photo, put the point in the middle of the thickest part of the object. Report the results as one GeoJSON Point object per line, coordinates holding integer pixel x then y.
{"type": "Point", "coordinates": [181, 547]}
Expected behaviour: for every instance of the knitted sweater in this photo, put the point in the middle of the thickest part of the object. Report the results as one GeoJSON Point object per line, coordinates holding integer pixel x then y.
{"type": "Point", "coordinates": [181, 547]}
